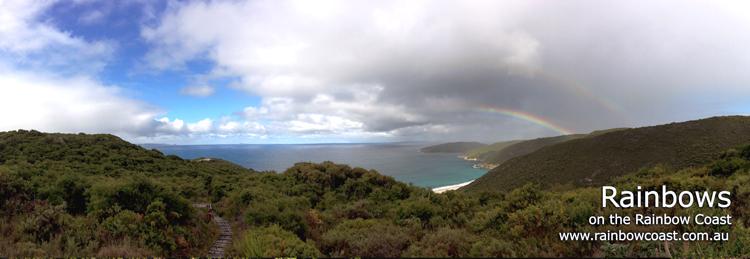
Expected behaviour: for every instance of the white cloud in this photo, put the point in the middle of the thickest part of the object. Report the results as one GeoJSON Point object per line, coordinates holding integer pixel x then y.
{"type": "Point", "coordinates": [284, 49]}
{"type": "Point", "coordinates": [176, 126]}
{"type": "Point", "coordinates": [40, 45]}
{"type": "Point", "coordinates": [78, 104]}
{"type": "Point", "coordinates": [198, 91]}
{"type": "Point", "coordinates": [326, 113]}
{"type": "Point", "coordinates": [246, 127]}
{"type": "Point", "coordinates": [321, 122]}
{"type": "Point", "coordinates": [319, 66]}
{"type": "Point", "coordinates": [555, 60]}
{"type": "Point", "coordinates": [206, 125]}
{"type": "Point", "coordinates": [49, 83]}
{"type": "Point", "coordinates": [91, 17]}
{"type": "Point", "coordinates": [20, 34]}
{"type": "Point", "coordinates": [231, 126]}
{"type": "Point", "coordinates": [385, 68]}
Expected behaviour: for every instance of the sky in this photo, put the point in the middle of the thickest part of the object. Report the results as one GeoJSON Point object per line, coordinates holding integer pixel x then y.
{"type": "Point", "coordinates": [224, 72]}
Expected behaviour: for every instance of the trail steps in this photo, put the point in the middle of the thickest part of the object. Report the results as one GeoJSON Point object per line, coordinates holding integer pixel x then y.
{"type": "Point", "coordinates": [217, 250]}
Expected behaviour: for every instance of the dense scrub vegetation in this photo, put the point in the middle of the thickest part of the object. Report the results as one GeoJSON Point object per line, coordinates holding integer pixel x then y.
{"type": "Point", "coordinates": [352, 212]}
{"type": "Point", "coordinates": [601, 132]}
{"type": "Point", "coordinates": [482, 153]}
{"type": "Point", "coordinates": [65, 195]}
{"type": "Point", "coordinates": [453, 147]}
{"type": "Point", "coordinates": [108, 198]}
{"type": "Point", "coordinates": [597, 160]}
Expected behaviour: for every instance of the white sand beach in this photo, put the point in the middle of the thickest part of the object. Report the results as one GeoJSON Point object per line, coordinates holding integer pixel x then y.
{"type": "Point", "coordinates": [450, 187]}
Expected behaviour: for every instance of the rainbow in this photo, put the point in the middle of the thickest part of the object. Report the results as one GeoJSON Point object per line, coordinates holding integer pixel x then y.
{"type": "Point", "coordinates": [560, 81]}
{"type": "Point", "coordinates": [583, 91]}
{"type": "Point", "coordinates": [517, 115]}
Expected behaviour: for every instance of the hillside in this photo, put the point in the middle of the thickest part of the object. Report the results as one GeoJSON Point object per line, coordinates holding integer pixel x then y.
{"type": "Point", "coordinates": [453, 147]}
{"type": "Point", "coordinates": [81, 195]}
{"type": "Point", "coordinates": [66, 195]}
{"type": "Point", "coordinates": [482, 153]}
{"type": "Point", "coordinates": [600, 132]}
{"type": "Point", "coordinates": [597, 160]}
{"type": "Point", "coordinates": [523, 148]}
{"type": "Point", "coordinates": [487, 152]}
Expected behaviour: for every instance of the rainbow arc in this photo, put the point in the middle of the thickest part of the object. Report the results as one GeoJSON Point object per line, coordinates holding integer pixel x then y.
{"type": "Point", "coordinates": [518, 115]}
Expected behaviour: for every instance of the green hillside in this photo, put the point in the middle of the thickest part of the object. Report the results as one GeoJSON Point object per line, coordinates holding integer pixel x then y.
{"type": "Point", "coordinates": [597, 160]}
{"type": "Point", "coordinates": [97, 192]}
{"type": "Point", "coordinates": [523, 148]}
{"type": "Point", "coordinates": [482, 153]}
{"type": "Point", "coordinates": [452, 147]}
{"type": "Point", "coordinates": [600, 132]}
{"type": "Point", "coordinates": [66, 195]}
{"type": "Point", "coordinates": [486, 152]}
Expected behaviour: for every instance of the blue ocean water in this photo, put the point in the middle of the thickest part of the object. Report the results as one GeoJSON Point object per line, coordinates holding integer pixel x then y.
{"type": "Point", "coordinates": [403, 161]}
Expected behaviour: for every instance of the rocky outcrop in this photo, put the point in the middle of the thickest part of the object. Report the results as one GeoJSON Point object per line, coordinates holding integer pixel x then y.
{"type": "Point", "coordinates": [485, 166]}
{"type": "Point", "coordinates": [470, 159]}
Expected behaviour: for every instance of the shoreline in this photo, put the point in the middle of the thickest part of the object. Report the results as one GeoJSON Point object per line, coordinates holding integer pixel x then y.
{"type": "Point", "coordinates": [453, 187]}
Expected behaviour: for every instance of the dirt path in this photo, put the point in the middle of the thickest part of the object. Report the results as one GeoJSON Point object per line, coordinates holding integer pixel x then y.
{"type": "Point", "coordinates": [217, 250]}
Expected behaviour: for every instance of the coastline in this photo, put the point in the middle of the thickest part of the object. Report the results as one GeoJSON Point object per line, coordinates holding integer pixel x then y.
{"type": "Point", "coordinates": [485, 166]}
{"type": "Point", "coordinates": [470, 159]}
{"type": "Point", "coordinates": [446, 188]}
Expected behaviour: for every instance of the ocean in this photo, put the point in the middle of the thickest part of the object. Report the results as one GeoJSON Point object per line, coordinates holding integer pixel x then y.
{"type": "Point", "coordinates": [403, 161]}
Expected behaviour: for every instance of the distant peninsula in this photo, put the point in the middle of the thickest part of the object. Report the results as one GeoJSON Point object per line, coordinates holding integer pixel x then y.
{"type": "Point", "coordinates": [523, 148]}
{"type": "Point", "coordinates": [482, 153]}
{"type": "Point", "coordinates": [453, 147]}
{"type": "Point", "coordinates": [496, 153]}
{"type": "Point", "coordinates": [599, 160]}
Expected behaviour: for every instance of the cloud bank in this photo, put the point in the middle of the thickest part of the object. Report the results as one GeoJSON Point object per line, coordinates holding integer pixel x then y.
{"type": "Point", "coordinates": [393, 66]}
{"type": "Point", "coordinates": [394, 70]}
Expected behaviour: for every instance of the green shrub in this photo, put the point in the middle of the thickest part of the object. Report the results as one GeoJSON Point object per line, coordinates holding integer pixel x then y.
{"type": "Point", "coordinates": [523, 197]}
{"type": "Point", "coordinates": [136, 194]}
{"type": "Point", "coordinates": [579, 215]}
{"type": "Point", "coordinates": [420, 208]}
{"type": "Point", "coordinates": [728, 165]}
{"type": "Point", "coordinates": [73, 189]}
{"type": "Point", "coordinates": [445, 242]}
{"type": "Point", "coordinates": [273, 241]}
{"type": "Point", "coordinates": [615, 250]}
{"type": "Point", "coordinates": [46, 220]}
{"type": "Point", "coordinates": [288, 212]}
{"type": "Point", "coordinates": [365, 238]}
{"type": "Point", "coordinates": [356, 210]}
{"type": "Point", "coordinates": [491, 247]}
{"type": "Point", "coordinates": [79, 239]}
{"type": "Point", "coordinates": [125, 223]}
{"type": "Point", "coordinates": [380, 241]}
{"type": "Point", "coordinates": [13, 192]}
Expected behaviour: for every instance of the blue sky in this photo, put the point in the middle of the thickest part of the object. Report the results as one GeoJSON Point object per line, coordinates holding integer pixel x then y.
{"type": "Point", "coordinates": [203, 72]}
{"type": "Point", "coordinates": [121, 22]}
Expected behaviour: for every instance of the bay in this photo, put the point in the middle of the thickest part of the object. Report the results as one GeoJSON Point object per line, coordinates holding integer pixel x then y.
{"type": "Point", "coordinates": [402, 160]}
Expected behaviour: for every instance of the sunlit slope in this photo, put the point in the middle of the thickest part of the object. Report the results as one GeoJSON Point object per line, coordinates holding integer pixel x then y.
{"type": "Point", "coordinates": [103, 154]}
{"type": "Point", "coordinates": [595, 161]}
{"type": "Point", "coordinates": [482, 153]}
{"type": "Point", "coordinates": [524, 148]}
{"type": "Point", "coordinates": [600, 132]}
{"type": "Point", "coordinates": [453, 147]}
